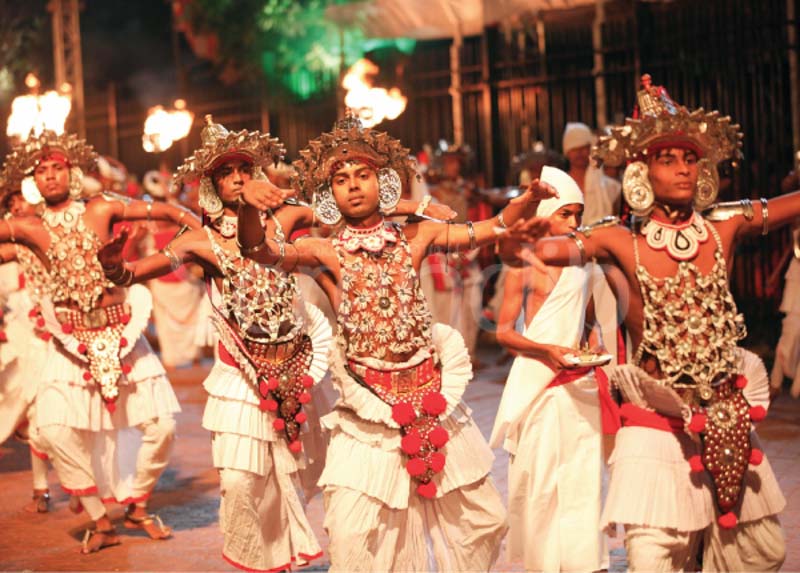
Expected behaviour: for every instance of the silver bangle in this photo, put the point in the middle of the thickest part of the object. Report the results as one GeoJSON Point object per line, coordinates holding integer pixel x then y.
{"type": "Point", "coordinates": [764, 216]}
{"type": "Point", "coordinates": [501, 221]}
{"type": "Point", "coordinates": [473, 243]}
{"type": "Point", "coordinates": [174, 260]}
{"type": "Point", "coordinates": [423, 205]}
{"type": "Point", "coordinates": [580, 245]}
{"type": "Point", "coordinates": [149, 211]}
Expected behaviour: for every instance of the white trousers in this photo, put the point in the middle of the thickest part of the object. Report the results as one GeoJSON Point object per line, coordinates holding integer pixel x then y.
{"type": "Point", "coordinates": [752, 546]}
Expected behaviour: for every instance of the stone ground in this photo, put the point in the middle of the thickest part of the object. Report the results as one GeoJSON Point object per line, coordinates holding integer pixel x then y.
{"type": "Point", "coordinates": [187, 496]}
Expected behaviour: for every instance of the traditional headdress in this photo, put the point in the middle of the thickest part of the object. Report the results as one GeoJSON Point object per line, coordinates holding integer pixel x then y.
{"type": "Point", "coordinates": [350, 141]}
{"type": "Point", "coordinates": [659, 122]}
{"type": "Point", "coordinates": [220, 145]}
{"type": "Point", "coordinates": [69, 148]}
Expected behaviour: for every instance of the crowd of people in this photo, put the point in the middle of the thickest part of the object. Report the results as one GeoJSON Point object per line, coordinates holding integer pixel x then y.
{"type": "Point", "coordinates": [348, 269]}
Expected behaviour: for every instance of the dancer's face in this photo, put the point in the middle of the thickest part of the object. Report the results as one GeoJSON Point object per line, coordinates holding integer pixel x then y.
{"type": "Point", "coordinates": [230, 177]}
{"type": "Point", "coordinates": [566, 219]}
{"type": "Point", "coordinates": [52, 178]}
{"type": "Point", "coordinates": [355, 189]}
{"type": "Point", "coordinates": [673, 175]}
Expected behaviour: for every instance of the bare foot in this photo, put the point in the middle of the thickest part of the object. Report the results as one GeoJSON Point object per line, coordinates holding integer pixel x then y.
{"type": "Point", "coordinates": [103, 535]}
{"type": "Point", "coordinates": [40, 502]}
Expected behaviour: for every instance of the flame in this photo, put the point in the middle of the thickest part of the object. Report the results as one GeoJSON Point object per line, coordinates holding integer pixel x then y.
{"type": "Point", "coordinates": [34, 112]}
{"type": "Point", "coordinates": [162, 128]}
{"type": "Point", "coordinates": [372, 105]}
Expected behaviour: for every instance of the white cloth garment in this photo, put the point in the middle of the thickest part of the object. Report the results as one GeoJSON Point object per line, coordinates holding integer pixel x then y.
{"type": "Point", "coordinates": [554, 438]}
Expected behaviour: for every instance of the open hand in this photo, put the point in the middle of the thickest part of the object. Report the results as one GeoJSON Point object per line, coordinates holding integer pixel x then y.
{"type": "Point", "coordinates": [110, 254]}
{"type": "Point", "coordinates": [537, 191]}
{"type": "Point", "coordinates": [440, 211]}
{"type": "Point", "coordinates": [264, 195]}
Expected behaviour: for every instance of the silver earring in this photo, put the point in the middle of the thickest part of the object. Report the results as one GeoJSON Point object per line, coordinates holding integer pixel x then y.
{"type": "Point", "coordinates": [325, 206]}
{"type": "Point", "coordinates": [209, 200]}
{"type": "Point", "coordinates": [75, 182]}
{"type": "Point", "coordinates": [707, 185]}
{"type": "Point", "coordinates": [389, 189]}
{"type": "Point", "coordinates": [637, 189]}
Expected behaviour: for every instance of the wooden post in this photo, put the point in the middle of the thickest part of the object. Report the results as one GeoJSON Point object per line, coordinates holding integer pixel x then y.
{"type": "Point", "coordinates": [487, 123]}
{"type": "Point", "coordinates": [455, 89]}
{"type": "Point", "coordinates": [791, 29]}
{"type": "Point", "coordinates": [601, 117]}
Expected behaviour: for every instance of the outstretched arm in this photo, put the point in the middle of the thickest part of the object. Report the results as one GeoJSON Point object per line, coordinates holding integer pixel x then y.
{"type": "Point", "coordinates": [472, 235]}
{"type": "Point", "coordinates": [124, 209]}
{"type": "Point", "coordinates": [181, 250]}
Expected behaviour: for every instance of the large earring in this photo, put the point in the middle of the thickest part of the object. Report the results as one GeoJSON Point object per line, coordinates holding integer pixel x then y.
{"type": "Point", "coordinates": [707, 185]}
{"type": "Point", "coordinates": [209, 200]}
{"type": "Point", "coordinates": [637, 189]}
{"type": "Point", "coordinates": [325, 206]}
{"type": "Point", "coordinates": [389, 189]}
{"type": "Point", "coordinates": [75, 182]}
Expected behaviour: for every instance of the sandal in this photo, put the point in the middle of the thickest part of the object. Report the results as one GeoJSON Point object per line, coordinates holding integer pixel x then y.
{"type": "Point", "coordinates": [150, 524]}
{"type": "Point", "coordinates": [96, 539]}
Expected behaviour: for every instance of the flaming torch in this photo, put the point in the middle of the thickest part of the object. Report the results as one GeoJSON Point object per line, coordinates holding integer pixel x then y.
{"type": "Point", "coordinates": [372, 104]}
{"type": "Point", "coordinates": [36, 112]}
{"type": "Point", "coordinates": [162, 128]}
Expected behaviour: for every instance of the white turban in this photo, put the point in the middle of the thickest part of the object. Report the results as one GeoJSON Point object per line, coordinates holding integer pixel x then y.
{"type": "Point", "coordinates": [576, 135]}
{"type": "Point", "coordinates": [568, 191]}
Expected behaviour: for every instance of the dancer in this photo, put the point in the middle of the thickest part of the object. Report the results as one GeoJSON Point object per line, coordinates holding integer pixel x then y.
{"type": "Point", "coordinates": [687, 471]}
{"type": "Point", "coordinates": [273, 347]}
{"type": "Point", "coordinates": [406, 466]}
{"type": "Point", "coordinates": [102, 375]}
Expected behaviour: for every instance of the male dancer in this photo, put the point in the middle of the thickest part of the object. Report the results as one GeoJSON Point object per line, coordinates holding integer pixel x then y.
{"type": "Point", "coordinates": [102, 375]}
{"type": "Point", "coordinates": [406, 466]}
{"type": "Point", "coordinates": [686, 471]}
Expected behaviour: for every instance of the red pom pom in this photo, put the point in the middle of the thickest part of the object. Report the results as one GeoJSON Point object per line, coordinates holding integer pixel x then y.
{"type": "Point", "coordinates": [262, 388]}
{"type": "Point", "coordinates": [279, 424]}
{"type": "Point", "coordinates": [696, 464]}
{"type": "Point", "coordinates": [45, 336]}
{"type": "Point", "coordinates": [304, 398]}
{"type": "Point", "coordinates": [40, 322]}
{"type": "Point", "coordinates": [758, 413]}
{"type": "Point", "coordinates": [416, 467]}
{"type": "Point", "coordinates": [296, 447]}
{"type": "Point", "coordinates": [697, 423]}
{"type": "Point", "coordinates": [437, 462]}
{"type": "Point", "coordinates": [411, 443]}
{"type": "Point", "coordinates": [741, 382]}
{"type": "Point", "coordinates": [126, 369]}
{"type": "Point", "coordinates": [123, 342]}
{"type": "Point", "coordinates": [33, 312]}
{"type": "Point", "coordinates": [427, 490]}
{"type": "Point", "coordinates": [272, 383]}
{"type": "Point", "coordinates": [125, 318]}
{"type": "Point", "coordinates": [82, 348]}
{"type": "Point", "coordinates": [438, 437]}
{"type": "Point", "coordinates": [268, 405]}
{"type": "Point", "coordinates": [727, 520]}
{"type": "Point", "coordinates": [756, 456]}
{"type": "Point", "coordinates": [434, 403]}
{"type": "Point", "coordinates": [307, 381]}
{"type": "Point", "coordinates": [300, 418]}
{"type": "Point", "coordinates": [403, 413]}
{"type": "Point", "coordinates": [111, 406]}
{"type": "Point", "coordinates": [87, 375]}
{"type": "Point", "coordinates": [3, 336]}
{"type": "Point", "coordinates": [67, 328]}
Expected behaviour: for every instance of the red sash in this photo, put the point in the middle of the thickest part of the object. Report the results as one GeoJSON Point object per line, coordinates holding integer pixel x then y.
{"type": "Point", "coordinates": [609, 411]}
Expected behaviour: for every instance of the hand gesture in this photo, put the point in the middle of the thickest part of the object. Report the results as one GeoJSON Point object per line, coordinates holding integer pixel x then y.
{"type": "Point", "coordinates": [110, 254]}
{"type": "Point", "coordinates": [555, 357]}
{"type": "Point", "coordinates": [537, 191]}
{"type": "Point", "coordinates": [440, 211]}
{"type": "Point", "coordinates": [264, 195]}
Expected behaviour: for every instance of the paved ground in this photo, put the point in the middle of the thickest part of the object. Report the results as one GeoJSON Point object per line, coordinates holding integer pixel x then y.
{"type": "Point", "coordinates": [187, 496]}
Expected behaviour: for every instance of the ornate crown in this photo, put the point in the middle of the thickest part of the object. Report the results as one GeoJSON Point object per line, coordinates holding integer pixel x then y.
{"type": "Point", "coordinates": [349, 140]}
{"type": "Point", "coordinates": [26, 155]}
{"type": "Point", "coordinates": [659, 120]}
{"type": "Point", "coordinates": [219, 144]}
